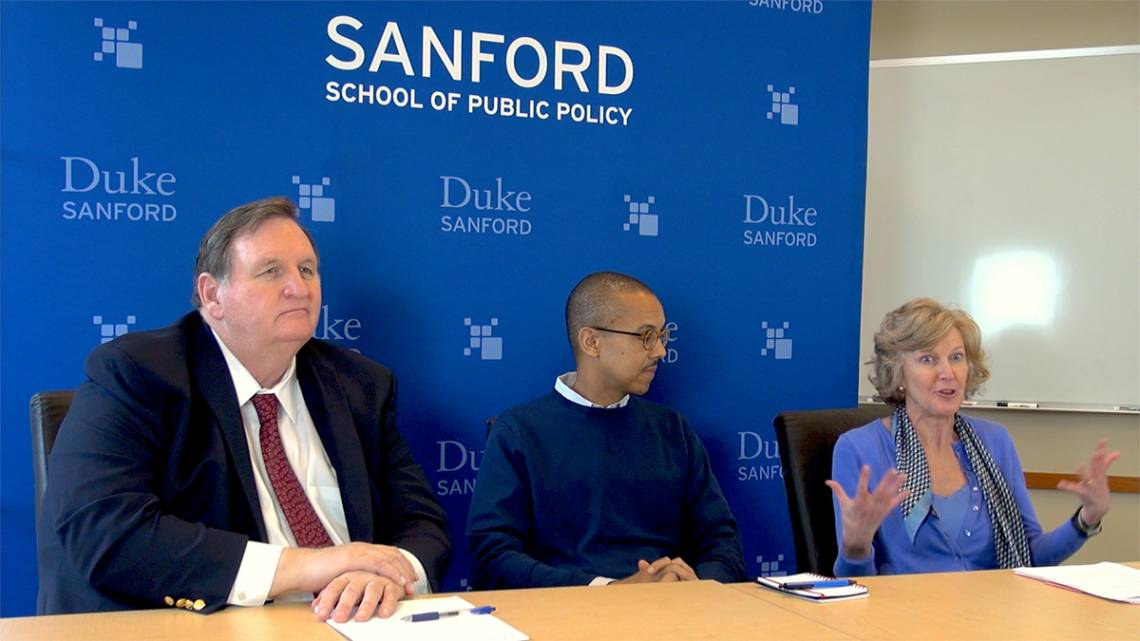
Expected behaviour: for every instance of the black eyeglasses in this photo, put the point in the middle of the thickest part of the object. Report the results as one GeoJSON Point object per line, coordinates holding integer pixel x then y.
{"type": "Point", "coordinates": [648, 337]}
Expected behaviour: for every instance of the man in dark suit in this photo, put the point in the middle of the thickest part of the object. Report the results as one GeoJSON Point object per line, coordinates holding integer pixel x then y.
{"type": "Point", "coordinates": [232, 458]}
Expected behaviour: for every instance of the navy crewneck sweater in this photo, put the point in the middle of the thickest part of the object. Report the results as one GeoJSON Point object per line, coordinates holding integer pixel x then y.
{"type": "Point", "coordinates": [568, 493]}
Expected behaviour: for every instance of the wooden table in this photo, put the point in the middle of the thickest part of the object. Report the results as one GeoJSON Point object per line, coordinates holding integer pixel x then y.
{"type": "Point", "coordinates": [976, 605]}
{"type": "Point", "coordinates": [994, 604]}
{"type": "Point", "coordinates": [663, 611]}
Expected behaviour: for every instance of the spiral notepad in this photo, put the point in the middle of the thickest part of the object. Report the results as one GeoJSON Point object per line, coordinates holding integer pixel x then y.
{"type": "Point", "coordinates": [839, 593]}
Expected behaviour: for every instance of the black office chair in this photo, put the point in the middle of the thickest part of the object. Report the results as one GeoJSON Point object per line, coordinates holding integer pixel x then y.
{"type": "Point", "coordinates": [806, 440]}
{"type": "Point", "coordinates": [47, 410]}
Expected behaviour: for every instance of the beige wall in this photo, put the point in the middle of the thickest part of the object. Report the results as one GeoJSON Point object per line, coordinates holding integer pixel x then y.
{"type": "Point", "coordinates": [1058, 442]}
{"type": "Point", "coordinates": [917, 28]}
{"type": "Point", "coordinates": [1047, 441]}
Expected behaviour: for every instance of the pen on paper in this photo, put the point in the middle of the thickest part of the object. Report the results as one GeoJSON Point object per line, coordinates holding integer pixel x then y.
{"type": "Point", "coordinates": [435, 616]}
{"type": "Point", "coordinates": [812, 585]}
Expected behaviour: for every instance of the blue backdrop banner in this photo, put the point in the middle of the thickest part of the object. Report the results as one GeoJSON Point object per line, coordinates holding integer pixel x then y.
{"type": "Point", "coordinates": [461, 166]}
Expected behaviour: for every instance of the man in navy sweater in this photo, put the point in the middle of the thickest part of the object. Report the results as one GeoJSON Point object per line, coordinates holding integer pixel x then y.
{"type": "Point", "coordinates": [590, 484]}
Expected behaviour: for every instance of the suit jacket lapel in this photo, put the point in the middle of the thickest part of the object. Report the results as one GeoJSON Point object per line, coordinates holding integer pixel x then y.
{"type": "Point", "coordinates": [211, 377]}
{"type": "Point", "coordinates": [333, 419]}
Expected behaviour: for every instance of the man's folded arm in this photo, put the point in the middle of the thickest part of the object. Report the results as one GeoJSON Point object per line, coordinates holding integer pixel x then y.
{"type": "Point", "coordinates": [499, 518]}
{"type": "Point", "coordinates": [711, 529]}
{"type": "Point", "coordinates": [101, 503]}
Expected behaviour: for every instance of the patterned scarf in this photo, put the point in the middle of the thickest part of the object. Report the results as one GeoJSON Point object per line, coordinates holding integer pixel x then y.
{"type": "Point", "coordinates": [1011, 546]}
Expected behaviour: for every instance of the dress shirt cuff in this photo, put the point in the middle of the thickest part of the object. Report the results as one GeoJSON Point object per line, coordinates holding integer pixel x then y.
{"type": "Point", "coordinates": [255, 574]}
{"type": "Point", "coordinates": [421, 585]}
{"type": "Point", "coordinates": [602, 580]}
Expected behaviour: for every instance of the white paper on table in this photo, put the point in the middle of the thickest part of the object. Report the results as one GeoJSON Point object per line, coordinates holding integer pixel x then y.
{"type": "Point", "coordinates": [469, 627]}
{"type": "Point", "coordinates": [1106, 580]}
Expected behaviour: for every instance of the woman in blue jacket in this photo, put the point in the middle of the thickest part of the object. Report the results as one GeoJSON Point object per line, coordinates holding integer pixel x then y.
{"type": "Point", "coordinates": [928, 489]}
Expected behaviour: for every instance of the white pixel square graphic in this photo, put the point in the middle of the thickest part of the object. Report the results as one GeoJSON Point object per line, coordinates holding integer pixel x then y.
{"type": "Point", "coordinates": [647, 224]}
{"type": "Point", "coordinates": [110, 331]}
{"type": "Point", "coordinates": [776, 343]}
{"type": "Point", "coordinates": [481, 338]}
{"type": "Point", "coordinates": [781, 103]}
{"type": "Point", "coordinates": [311, 197]}
{"type": "Point", "coordinates": [129, 55]}
{"type": "Point", "coordinates": [790, 115]}
{"type": "Point", "coordinates": [117, 41]}
{"type": "Point", "coordinates": [492, 349]}
{"type": "Point", "coordinates": [772, 568]}
{"type": "Point", "coordinates": [324, 210]}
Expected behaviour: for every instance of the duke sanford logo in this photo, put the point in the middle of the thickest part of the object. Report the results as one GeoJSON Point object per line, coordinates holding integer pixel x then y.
{"type": "Point", "coordinates": [106, 191]}
{"type": "Point", "coordinates": [671, 353]}
{"type": "Point", "coordinates": [759, 458]}
{"type": "Point", "coordinates": [342, 331]}
{"type": "Point", "coordinates": [458, 465]}
{"type": "Point", "coordinates": [779, 223]}
{"type": "Point", "coordinates": [498, 209]}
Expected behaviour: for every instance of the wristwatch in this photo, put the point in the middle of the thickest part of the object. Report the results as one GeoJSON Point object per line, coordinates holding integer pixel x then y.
{"type": "Point", "coordinates": [1085, 529]}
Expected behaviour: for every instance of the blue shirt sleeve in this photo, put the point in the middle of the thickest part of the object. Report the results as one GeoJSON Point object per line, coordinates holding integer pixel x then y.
{"type": "Point", "coordinates": [845, 466]}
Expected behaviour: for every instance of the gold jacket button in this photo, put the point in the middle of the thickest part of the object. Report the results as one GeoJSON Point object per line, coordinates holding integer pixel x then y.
{"type": "Point", "coordinates": [180, 603]}
{"type": "Point", "coordinates": [199, 604]}
{"type": "Point", "coordinates": [168, 600]}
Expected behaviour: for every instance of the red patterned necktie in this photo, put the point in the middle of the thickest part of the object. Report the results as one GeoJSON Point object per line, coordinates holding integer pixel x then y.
{"type": "Point", "coordinates": [299, 512]}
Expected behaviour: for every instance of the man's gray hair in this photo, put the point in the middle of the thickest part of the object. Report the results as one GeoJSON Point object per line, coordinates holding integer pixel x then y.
{"type": "Point", "coordinates": [214, 252]}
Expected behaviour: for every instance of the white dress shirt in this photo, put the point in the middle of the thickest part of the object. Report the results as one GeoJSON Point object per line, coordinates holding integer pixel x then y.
{"type": "Point", "coordinates": [564, 385]}
{"type": "Point", "coordinates": [310, 462]}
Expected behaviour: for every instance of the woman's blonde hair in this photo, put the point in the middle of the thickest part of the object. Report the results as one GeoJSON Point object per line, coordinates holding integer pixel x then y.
{"type": "Point", "coordinates": [917, 325]}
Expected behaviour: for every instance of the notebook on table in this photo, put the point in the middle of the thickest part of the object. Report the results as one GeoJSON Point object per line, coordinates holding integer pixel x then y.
{"type": "Point", "coordinates": [815, 587]}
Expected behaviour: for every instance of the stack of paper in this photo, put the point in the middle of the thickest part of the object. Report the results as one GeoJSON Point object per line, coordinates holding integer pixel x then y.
{"type": "Point", "coordinates": [825, 592]}
{"type": "Point", "coordinates": [1106, 580]}
{"type": "Point", "coordinates": [470, 627]}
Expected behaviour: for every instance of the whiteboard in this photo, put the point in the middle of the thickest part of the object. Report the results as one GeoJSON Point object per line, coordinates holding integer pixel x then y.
{"type": "Point", "coordinates": [1012, 189]}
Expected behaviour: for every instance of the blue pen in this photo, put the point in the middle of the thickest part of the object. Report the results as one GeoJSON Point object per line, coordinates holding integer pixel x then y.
{"type": "Point", "coordinates": [812, 585]}
{"type": "Point", "coordinates": [435, 616]}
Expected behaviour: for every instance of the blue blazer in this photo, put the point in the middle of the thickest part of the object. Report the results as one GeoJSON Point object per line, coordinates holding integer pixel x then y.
{"type": "Point", "coordinates": [150, 490]}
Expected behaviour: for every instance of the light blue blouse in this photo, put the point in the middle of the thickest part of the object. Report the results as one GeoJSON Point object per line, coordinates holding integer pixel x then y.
{"type": "Point", "coordinates": [934, 538]}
